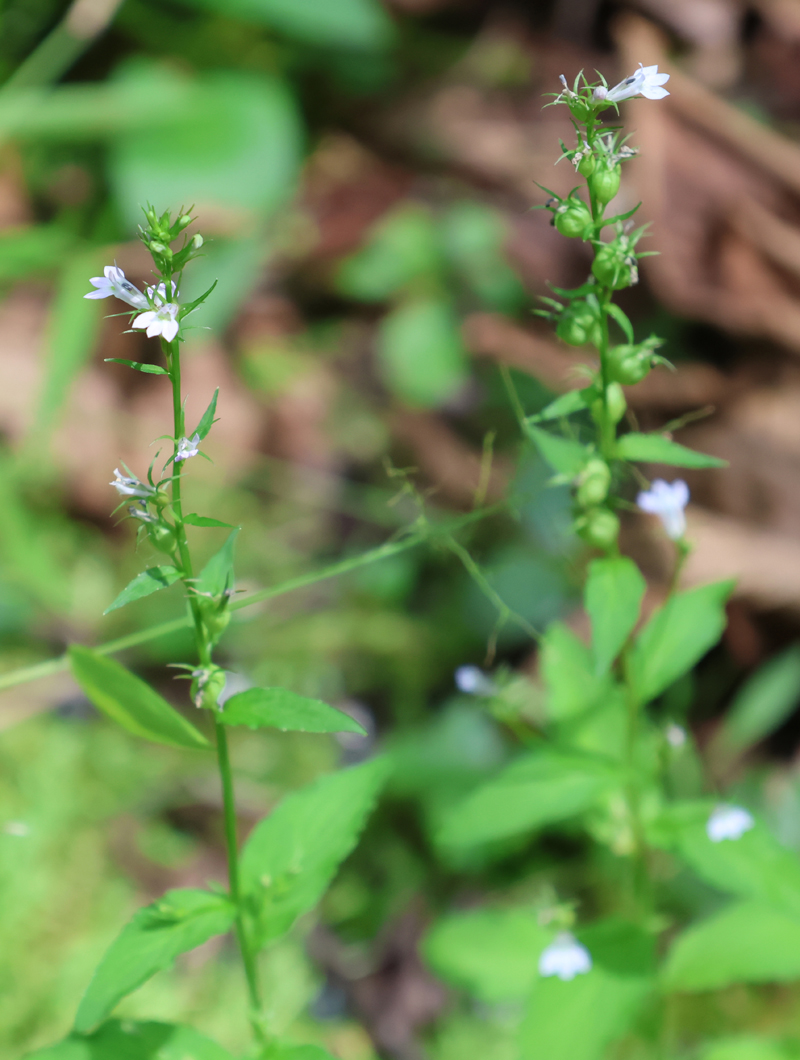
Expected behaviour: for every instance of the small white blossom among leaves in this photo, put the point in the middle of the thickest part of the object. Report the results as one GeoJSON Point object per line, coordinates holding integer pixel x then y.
{"type": "Point", "coordinates": [130, 486]}
{"type": "Point", "coordinates": [668, 501]}
{"type": "Point", "coordinates": [565, 957]}
{"type": "Point", "coordinates": [473, 681]}
{"type": "Point", "coordinates": [187, 447]}
{"type": "Point", "coordinates": [728, 822]}
{"type": "Point", "coordinates": [647, 82]}
{"type": "Point", "coordinates": [160, 321]}
{"type": "Point", "coordinates": [113, 283]}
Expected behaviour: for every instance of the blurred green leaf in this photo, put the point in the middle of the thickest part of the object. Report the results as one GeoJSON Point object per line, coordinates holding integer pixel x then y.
{"type": "Point", "coordinates": [131, 702]}
{"type": "Point", "coordinates": [474, 236]}
{"type": "Point", "coordinates": [288, 1051]}
{"type": "Point", "coordinates": [536, 790]}
{"type": "Point", "coordinates": [579, 1018]}
{"type": "Point", "coordinates": [656, 449]}
{"type": "Point", "coordinates": [492, 953]}
{"type": "Point", "coordinates": [180, 921]}
{"type": "Point", "coordinates": [564, 405]}
{"type": "Point", "coordinates": [129, 1040]}
{"type": "Point", "coordinates": [401, 248]}
{"type": "Point", "coordinates": [564, 455]}
{"type": "Point", "coordinates": [746, 942]}
{"type": "Point", "coordinates": [292, 855]}
{"type": "Point", "coordinates": [26, 251]}
{"type": "Point", "coordinates": [217, 575]}
{"type": "Point", "coordinates": [193, 519]}
{"type": "Point", "coordinates": [746, 1047]}
{"type": "Point", "coordinates": [613, 598]}
{"type": "Point", "coordinates": [278, 708]}
{"type": "Point", "coordinates": [569, 673]}
{"type": "Point", "coordinates": [763, 703]}
{"type": "Point", "coordinates": [421, 354]}
{"type": "Point", "coordinates": [149, 581]}
{"type": "Point", "coordinates": [677, 636]}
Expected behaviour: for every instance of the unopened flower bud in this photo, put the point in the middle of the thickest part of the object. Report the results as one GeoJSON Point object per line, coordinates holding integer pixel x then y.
{"type": "Point", "coordinates": [197, 241]}
{"type": "Point", "coordinates": [593, 483]}
{"type": "Point", "coordinates": [163, 537]}
{"type": "Point", "coordinates": [183, 222]}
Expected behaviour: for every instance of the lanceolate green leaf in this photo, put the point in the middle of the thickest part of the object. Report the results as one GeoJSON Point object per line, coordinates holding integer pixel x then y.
{"type": "Point", "coordinates": [291, 856]}
{"type": "Point", "coordinates": [278, 708]}
{"type": "Point", "coordinates": [677, 636]}
{"type": "Point", "coordinates": [762, 704]}
{"type": "Point", "coordinates": [207, 419]}
{"type": "Point", "coordinates": [565, 405]}
{"type": "Point", "coordinates": [217, 575]}
{"type": "Point", "coordinates": [747, 942]}
{"type": "Point", "coordinates": [536, 790]}
{"type": "Point", "coordinates": [148, 369]}
{"type": "Point", "coordinates": [656, 449]}
{"type": "Point", "coordinates": [203, 520]}
{"type": "Point", "coordinates": [566, 456]}
{"type": "Point", "coordinates": [178, 922]}
{"type": "Point", "coordinates": [149, 581]}
{"type": "Point", "coordinates": [613, 598]}
{"type": "Point", "coordinates": [130, 1040]}
{"type": "Point", "coordinates": [130, 701]}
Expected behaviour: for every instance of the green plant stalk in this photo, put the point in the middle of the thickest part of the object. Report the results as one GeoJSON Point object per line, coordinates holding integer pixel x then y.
{"type": "Point", "coordinates": [183, 560]}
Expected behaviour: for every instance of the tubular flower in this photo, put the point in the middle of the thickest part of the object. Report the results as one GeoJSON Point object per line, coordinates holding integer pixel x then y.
{"type": "Point", "coordinates": [113, 282]}
{"type": "Point", "coordinates": [130, 486]}
{"type": "Point", "coordinates": [647, 82]}
{"type": "Point", "coordinates": [565, 957]}
{"type": "Point", "coordinates": [668, 501]}
{"type": "Point", "coordinates": [161, 321]}
{"type": "Point", "coordinates": [187, 447]}
{"type": "Point", "coordinates": [728, 822]}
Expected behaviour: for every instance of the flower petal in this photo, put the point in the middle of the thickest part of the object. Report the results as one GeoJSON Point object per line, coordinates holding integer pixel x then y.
{"type": "Point", "coordinates": [654, 93]}
{"type": "Point", "coordinates": [169, 329]}
{"type": "Point", "coordinates": [144, 320]}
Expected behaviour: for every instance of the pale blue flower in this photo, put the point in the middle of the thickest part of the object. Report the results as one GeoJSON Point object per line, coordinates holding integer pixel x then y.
{"type": "Point", "coordinates": [113, 282]}
{"type": "Point", "coordinates": [728, 822]}
{"type": "Point", "coordinates": [565, 957]}
{"type": "Point", "coordinates": [668, 501]}
{"type": "Point", "coordinates": [647, 82]}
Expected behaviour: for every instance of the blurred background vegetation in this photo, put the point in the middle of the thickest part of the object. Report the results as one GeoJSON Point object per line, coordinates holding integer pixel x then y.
{"type": "Point", "coordinates": [363, 173]}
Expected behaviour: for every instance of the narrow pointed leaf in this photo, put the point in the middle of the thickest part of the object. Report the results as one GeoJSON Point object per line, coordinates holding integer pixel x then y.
{"type": "Point", "coordinates": [613, 598]}
{"type": "Point", "coordinates": [149, 369]}
{"type": "Point", "coordinates": [565, 405]}
{"type": "Point", "coordinates": [656, 449]}
{"type": "Point", "coordinates": [203, 520]}
{"type": "Point", "coordinates": [131, 702]}
{"type": "Point", "coordinates": [207, 419]}
{"type": "Point", "coordinates": [563, 454]}
{"type": "Point", "coordinates": [278, 708]}
{"type": "Point", "coordinates": [176, 923]}
{"type": "Point", "coordinates": [149, 581]}
{"type": "Point", "coordinates": [217, 575]}
{"type": "Point", "coordinates": [131, 1040]}
{"type": "Point", "coordinates": [621, 319]}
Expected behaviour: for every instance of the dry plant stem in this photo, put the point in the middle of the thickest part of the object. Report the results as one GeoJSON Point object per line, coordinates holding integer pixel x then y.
{"type": "Point", "coordinates": [204, 652]}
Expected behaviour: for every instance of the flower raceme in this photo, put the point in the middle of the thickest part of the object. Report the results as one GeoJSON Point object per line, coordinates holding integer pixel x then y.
{"type": "Point", "coordinates": [565, 957]}
{"type": "Point", "coordinates": [647, 82]}
{"type": "Point", "coordinates": [668, 501]}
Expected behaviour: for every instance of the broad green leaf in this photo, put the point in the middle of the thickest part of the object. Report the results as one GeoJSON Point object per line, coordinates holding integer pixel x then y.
{"type": "Point", "coordinates": [207, 419]}
{"type": "Point", "coordinates": [537, 790]}
{"type": "Point", "coordinates": [204, 520]}
{"type": "Point", "coordinates": [566, 456]}
{"type": "Point", "coordinates": [217, 575]}
{"type": "Point", "coordinates": [753, 866]}
{"type": "Point", "coordinates": [180, 921]}
{"type": "Point", "coordinates": [292, 855]}
{"type": "Point", "coordinates": [569, 673]}
{"type": "Point", "coordinates": [746, 942]}
{"type": "Point", "coordinates": [613, 598]}
{"type": "Point", "coordinates": [565, 405]}
{"type": "Point", "coordinates": [656, 449]}
{"type": "Point", "coordinates": [278, 708]}
{"type": "Point", "coordinates": [352, 24]}
{"type": "Point", "coordinates": [746, 1047]}
{"type": "Point", "coordinates": [492, 953]}
{"type": "Point", "coordinates": [677, 636]}
{"type": "Point", "coordinates": [577, 1019]}
{"type": "Point", "coordinates": [402, 248]}
{"type": "Point", "coordinates": [148, 369]}
{"type": "Point", "coordinates": [420, 352]}
{"type": "Point", "coordinates": [130, 1040]}
{"type": "Point", "coordinates": [149, 581]}
{"type": "Point", "coordinates": [131, 702]}
{"type": "Point", "coordinates": [762, 704]}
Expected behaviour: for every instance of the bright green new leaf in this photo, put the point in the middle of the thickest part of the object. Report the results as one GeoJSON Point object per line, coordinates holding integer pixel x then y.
{"type": "Point", "coordinates": [569, 673]}
{"type": "Point", "coordinates": [656, 449]}
{"type": "Point", "coordinates": [677, 636]}
{"type": "Point", "coordinates": [217, 575]}
{"type": "Point", "coordinates": [130, 1040]}
{"type": "Point", "coordinates": [140, 366]}
{"type": "Point", "coordinates": [149, 581]}
{"type": "Point", "coordinates": [492, 953]}
{"type": "Point", "coordinates": [176, 923]}
{"type": "Point", "coordinates": [291, 856]}
{"type": "Point", "coordinates": [537, 790]}
{"type": "Point", "coordinates": [565, 405]}
{"type": "Point", "coordinates": [403, 247]}
{"type": "Point", "coordinates": [421, 354]}
{"type": "Point", "coordinates": [762, 704]}
{"type": "Point", "coordinates": [566, 456]}
{"type": "Point", "coordinates": [207, 419]}
{"type": "Point", "coordinates": [613, 599]}
{"type": "Point", "coordinates": [746, 1047]}
{"type": "Point", "coordinates": [278, 708]}
{"type": "Point", "coordinates": [577, 1019]}
{"type": "Point", "coordinates": [131, 702]}
{"type": "Point", "coordinates": [352, 24]}
{"type": "Point", "coordinates": [746, 942]}
{"type": "Point", "coordinates": [204, 520]}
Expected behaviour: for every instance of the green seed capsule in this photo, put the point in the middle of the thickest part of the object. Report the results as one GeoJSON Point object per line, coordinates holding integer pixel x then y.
{"type": "Point", "coordinates": [614, 267]}
{"type": "Point", "coordinates": [586, 165]}
{"type": "Point", "coordinates": [628, 365]}
{"type": "Point", "coordinates": [600, 529]}
{"type": "Point", "coordinates": [577, 325]}
{"type": "Point", "coordinates": [604, 183]}
{"type": "Point", "coordinates": [163, 537]}
{"type": "Point", "coordinates": [574, 221]}
{"type": "Point", "coordinates": [594, 483]}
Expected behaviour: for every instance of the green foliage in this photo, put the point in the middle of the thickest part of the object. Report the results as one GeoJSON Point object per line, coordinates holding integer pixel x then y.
{"type": "Point", "coordinates": [128, 1040]}
{"type": "Point", "coordinates": [677, 636]}
{"type": "Point", "coordinates": [762, 704]}
{"type": "Point", "coordinates": [566, 456]}
{"type": "Point", "coordinates": [570, 673]}
{"type": "Point", "coordinates": [402, 250]}
{"type": "Point", "coordinates": [144, 584]}
{"type": "Point", "coordinates": [139, 366]}
{"type": "Point", "coordinates": [180, 921]}
{"type": "Point", "coordinates": [129, 701]}
{"type": "Point", "coordinates": [656, 449]}
{"type": "Point", "coordinates": [292, 855]}
{"type": "Point", "coordinates": [421, 354]}
{"type": "Point", "coordinates": [278, 708]}
{"type": "Point", "coordinates": [217, 575]}
{"type": "Point", "coordinates": [613, 598]}
{"type": "Point", "coordinates": [207, 419]}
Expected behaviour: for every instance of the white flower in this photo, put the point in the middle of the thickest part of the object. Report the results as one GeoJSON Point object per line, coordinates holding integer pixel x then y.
{"type": "Point", "coordinates": [130, 486]}
{"type": "Point", "coordinates": [161, 321]}
{"type": "Point", "coordinates": [474, 682]}
{"type": "Point", "coordinates": [667, 500]}
{"type": "Point", "coordinates": [114, 283]}
{"type": "Point", "coordinates": [647, 82]}
{"type": "Point", "coordinates": [187, 447]}
{"type": "Point", "coordinates": [728, 822]}
{"type": "Point", "coordinates": [159, 294]}
{"type": "Point", "coordinates": [142, 513]}
{"type": "Point", "coordinates": [565, 957]}
{"type": "Point", "coordinates": [676, 735]}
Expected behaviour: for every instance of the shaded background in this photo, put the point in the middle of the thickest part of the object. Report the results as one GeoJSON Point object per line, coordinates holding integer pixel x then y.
{"type": "Point", "coordinates": [364, 175]}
